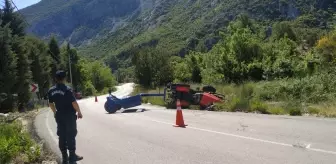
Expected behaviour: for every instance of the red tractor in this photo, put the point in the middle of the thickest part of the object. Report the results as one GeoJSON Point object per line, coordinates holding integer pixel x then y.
{"type": "Point", "coordinates": [205, 98]}
{"type": "Point", "coordinates": [187, 96]}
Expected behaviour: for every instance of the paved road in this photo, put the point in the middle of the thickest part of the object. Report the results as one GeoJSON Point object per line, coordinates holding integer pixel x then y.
{"type": "Point", "coordinates": [210, 138]}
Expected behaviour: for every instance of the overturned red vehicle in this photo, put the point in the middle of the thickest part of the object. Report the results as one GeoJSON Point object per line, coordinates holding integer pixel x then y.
{"type": "Point", "coordinates": [205, 98]}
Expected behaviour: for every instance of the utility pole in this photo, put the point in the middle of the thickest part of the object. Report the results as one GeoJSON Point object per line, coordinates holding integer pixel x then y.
{"type": "Point", "coordinates": [70, 69]}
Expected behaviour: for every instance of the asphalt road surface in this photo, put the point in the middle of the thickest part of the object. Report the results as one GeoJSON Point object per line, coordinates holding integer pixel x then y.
{"type": "Point", "coordinates": [210, 138]}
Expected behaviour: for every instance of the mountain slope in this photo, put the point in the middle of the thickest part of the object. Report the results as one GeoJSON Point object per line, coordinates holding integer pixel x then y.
{"type": "Point", "coordinates": [77, 20]}
{"type": "Point", "coordinates": [104, 28]}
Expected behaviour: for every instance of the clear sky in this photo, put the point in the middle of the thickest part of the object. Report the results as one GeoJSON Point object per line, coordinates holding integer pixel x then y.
{"type": "Point", "coordinates": [24, 3]}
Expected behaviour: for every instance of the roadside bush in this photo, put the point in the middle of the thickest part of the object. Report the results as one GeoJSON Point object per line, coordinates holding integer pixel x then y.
{"type": "Point", "coordinates": [276, 110]}
{"type": "Point", "coordinates": [326, 110]}
{"type": "Point", "coordinates": [294, 108]}
{"type": "Point", "coordinates": [295, 112]}
{"type": "Point", "coordinates": [13, 143]}
{"type": "Point", "coordinates": [311, 89]}
{"type": "Point", "coordinates": [312, 110]}
{"type": "Point", "coordinates": [238, 105]}
{"type": "Point", "coordinates": [257, 106]}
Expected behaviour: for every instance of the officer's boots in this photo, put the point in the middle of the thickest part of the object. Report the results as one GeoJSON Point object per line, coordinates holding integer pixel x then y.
{"type": "Point", "coordinates": [74, 157]}
{"type": "Point", "coordinates": [65, 158]}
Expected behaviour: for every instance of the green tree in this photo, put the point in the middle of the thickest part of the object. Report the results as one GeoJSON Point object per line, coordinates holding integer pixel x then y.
{"type": "Point", "coordinates": [23, 72]}
{"type": "Point", "coordinates": [194, 64]}
{"type": "Point", "coordinates": [152, 67]}
{"type": "Point", "coordinates": [74, 58]}
{"type": "Point", "coordinates": [40, 63]}
{"type": "Point", "coordinates": [280, 59]}
{"type": "Point", "coordinates": [125, 74]}
{"type": "Point", "coordinates": [85, 85]}
{"type": "Point", "coordinates": [14, 19]}
{"type": "Point", "coordinates": [8, 63]}
{"type": "Point", "coordinates": [326, 47]}
{"type": "Point", "coordinates": [101, 76]}
{"type": "Point", "coordinates": [143, 71]}
{"type": "Point", "coordinates": [282, 29]}
{"type": "Point", "coordinates": [68, 53]}
{"type": "Point", "coordinates": [55, 53]}
{"type": "Point", "coordinates": [182, 72]}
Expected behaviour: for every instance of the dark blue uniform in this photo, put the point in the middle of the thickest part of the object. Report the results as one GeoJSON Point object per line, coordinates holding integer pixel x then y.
{"type": "Point", "coordinates": [66, 117]}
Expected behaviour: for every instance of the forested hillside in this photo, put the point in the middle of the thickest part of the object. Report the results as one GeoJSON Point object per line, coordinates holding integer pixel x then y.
{"type": "Point", "coordinates": [282, 50]}
{"type": "Point", "coordinates": [176, 26]}
{"type": "Point", "coordinates": [26, 60]}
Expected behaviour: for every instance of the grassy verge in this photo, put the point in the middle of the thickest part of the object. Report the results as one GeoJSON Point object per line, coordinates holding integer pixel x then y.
{"type": "Point", "coordinates": [18, 143]}
{"type": "Point", "coordinates": [291, 97]}
{"type": "Point", "coordinates": [153, 100]}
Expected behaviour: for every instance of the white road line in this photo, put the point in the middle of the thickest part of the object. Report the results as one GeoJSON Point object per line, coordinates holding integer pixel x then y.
{"type": "Point", "coordinates": [308, 146]}
{"type": "Point", "coordinates": [251, 138]}
{"type": "Point", "coordinates": [49, 129]}
{"type": "Point", "coordinates": [322, 151]}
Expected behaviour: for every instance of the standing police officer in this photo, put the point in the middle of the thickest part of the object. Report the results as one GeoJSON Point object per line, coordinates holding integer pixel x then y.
{"type": "Point", "coordinates": [64, 105]}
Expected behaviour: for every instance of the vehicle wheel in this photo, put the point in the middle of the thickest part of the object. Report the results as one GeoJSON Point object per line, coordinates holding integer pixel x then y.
{"type": "Point", "coordinates": [171, 104]}
{"type": "Point", "coordinates": [111, 109]}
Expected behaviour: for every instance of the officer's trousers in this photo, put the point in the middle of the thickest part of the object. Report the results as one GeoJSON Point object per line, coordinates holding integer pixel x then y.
{"type": "Point", "coordinates": [66, 131]}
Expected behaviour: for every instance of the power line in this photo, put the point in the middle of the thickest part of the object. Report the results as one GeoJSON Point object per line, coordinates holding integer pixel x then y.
{"type": "Point", "coordinates": [12, 2]}
{"type": "Point", "coordinates": [14, 5]}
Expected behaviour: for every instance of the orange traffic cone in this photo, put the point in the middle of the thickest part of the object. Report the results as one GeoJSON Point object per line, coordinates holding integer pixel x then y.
{"type": "Point", "coordinates": [96, 99]}
{"type": "Point", "coordinates": [179, 115]}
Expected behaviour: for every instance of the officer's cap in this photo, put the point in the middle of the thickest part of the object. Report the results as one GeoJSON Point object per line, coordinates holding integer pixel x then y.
{"type": "Point", "coordinates": [60, 74]}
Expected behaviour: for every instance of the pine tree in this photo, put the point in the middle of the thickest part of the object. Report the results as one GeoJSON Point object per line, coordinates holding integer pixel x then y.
{"type": "Point", "coordinates": [7, 68]}
{"type": "Point", "coordinates": [74, 58]}
{"type": "Point", "coordinates": [40, 65]}
{"type": "Point", "coordinates": [23, 72]}
{"type": "Point", "coordinates": [55, 52]}
{"type": "Point", "coordinates": [15, 20]}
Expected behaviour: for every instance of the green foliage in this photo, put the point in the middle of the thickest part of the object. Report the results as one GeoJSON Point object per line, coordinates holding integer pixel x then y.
{"type": "Point", "coordinates": [182, 72]}
{"type": "Point", "coordinates": [13, 19]}
{"type": "Point", "coordinates": [68, 53]}
{"type": "Point", "coordinates": [153, 100]}
{"type": "Point", "coordinates": [25, 60]}
{"type": "Point", "coordinates": [311, 89]}
{"type": "Point", "coordinates": [260, 50]}
{"type": "Point", "coordinates": [295, 112]}
{"type": "Point", "coordinates": [326, 46]}
{"type": "Point", "coordinates": [54, 52]}
{"type": "Point", "coordinates": [238, 104]}
{"type": "Point", "coordinates": [94, 77]}
{"type": "Point", "coordinates": [276, 110]}
{"type": "Point", "coordinates": [312, 110]}
{"type": "Point", "coordinates": [101, 76]}
{"type": "Point", "coordinates": [40, 63]}
{"type": "Point", "coordinates": [8, 73]}
{"type": "Point", "coordinates": [125, 74]}
{"type": "Point", "coordinates": [14, 142]}
{"type": "Point", "coordinates": [176, 27]}
{"type": "Point", "coordinates": [152, 67]}
{"type": "Point", "coordinates": [283, 29]}
{"type": "Point", "coordinates": [257, 106]}
{"type": "Point", "coordinates": [24, 74]}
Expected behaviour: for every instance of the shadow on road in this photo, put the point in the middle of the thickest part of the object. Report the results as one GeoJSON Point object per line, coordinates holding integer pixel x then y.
{"type": "Point", "coordinates": [130, 111]}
